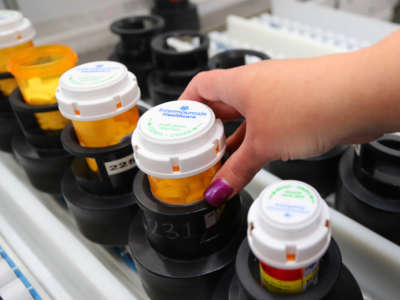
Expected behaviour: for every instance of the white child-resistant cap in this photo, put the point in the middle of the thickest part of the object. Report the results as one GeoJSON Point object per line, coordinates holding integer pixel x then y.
{"type": "Point", "coordinates": [97, 91]}
{"type": "Point", "coordinates": [288, 225]}
{"type": "Point", "coordinates": [14, 29]}
{"type": "Point", "coordinates": [178, 139]}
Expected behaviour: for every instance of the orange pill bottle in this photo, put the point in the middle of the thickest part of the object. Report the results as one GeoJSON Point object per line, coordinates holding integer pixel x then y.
{"type": "Point", "coordinates": [37, 71]}
{"type": "Point", "coordinates": [100, 98]}
{"type": "Point", "coordinates": [16, 33]}
{"type": "Point", "coordinates": [179, 145]}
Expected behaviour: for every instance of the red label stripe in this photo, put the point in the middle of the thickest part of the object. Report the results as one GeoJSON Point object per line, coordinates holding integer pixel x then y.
{"type": "Point", "coordinates": [283, 275]}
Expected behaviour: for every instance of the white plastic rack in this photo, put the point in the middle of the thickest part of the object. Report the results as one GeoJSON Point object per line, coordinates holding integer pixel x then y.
{"type": "Point", "coordinates": [281, 38]}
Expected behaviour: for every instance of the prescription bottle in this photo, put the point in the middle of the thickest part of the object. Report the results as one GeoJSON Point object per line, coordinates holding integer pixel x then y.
{"type": "Point", "coordinates": [179, 145]}
{"type": "Point", "coordinates": [37, 71]}
{"type": "Point", "coordinates": [288, 232]}
{"type": "Point", "coordinates": [16, 33]}
{"type": "Point", "coordinates": [101, 100]}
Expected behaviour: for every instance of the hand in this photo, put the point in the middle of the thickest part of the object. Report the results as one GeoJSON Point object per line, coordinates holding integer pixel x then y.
{"type": "Point", "coordinates": [294, 109]}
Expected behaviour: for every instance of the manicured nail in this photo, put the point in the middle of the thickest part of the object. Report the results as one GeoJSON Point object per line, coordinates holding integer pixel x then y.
{"type": "Point", "coordinates": [218, 192]}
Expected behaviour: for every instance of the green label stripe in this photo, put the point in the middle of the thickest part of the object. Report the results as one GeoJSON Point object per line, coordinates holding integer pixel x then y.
{"type": "Point", "coordinates": [286, 192]}
{"type": "Point", "coordinates": [170, 129]}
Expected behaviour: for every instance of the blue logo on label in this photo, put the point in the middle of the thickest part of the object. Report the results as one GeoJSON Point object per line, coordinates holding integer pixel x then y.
{"type": "Point", "coordinates": [185, 107]}
{"type": "Point", "coordinates": [99, 66]}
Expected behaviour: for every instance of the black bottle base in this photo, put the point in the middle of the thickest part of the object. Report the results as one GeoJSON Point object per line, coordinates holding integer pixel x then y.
{"type": "Point", "coordinates": [103, 219]}
{"type": "Point", "coordinates": [160, 91]}
{"type": "Point", "coordinates": [166, 278]}
{"type": "Point", "coordinates": [321, 172]}
{"type": "Point", "coordinates": [380, 214]}
{"type": "Point", "coordinates": [186, 18]}
{"type": "Point", "coordinates": [44, 167]}
{"type": "Point", "coordinates": [141, 71]}
{"type": "Point", "coordinates": [8, 129]}
{"type": "Point", "coordinates": [335, 280]}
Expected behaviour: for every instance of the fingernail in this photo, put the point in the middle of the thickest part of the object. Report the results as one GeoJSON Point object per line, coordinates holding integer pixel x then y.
{"type": "Point", "coordinates": [218, 192]}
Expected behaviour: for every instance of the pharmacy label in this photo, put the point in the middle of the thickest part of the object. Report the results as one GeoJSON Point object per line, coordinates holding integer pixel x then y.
{"type": "Point", "coordinates": [176, 120]}
{"type": "Point", "coordinates": [290, 203]}
{"type": "Point", "coordinates": [289, 281]}
{"type": "Point", "coordinates": [120, 165]}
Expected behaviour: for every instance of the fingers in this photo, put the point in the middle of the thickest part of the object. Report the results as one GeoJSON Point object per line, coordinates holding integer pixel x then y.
{"type": "Point", "coordinates": [223, 111]}
{"type": "Point", "coordinates": [218, 88]}
{"type": "Point", "coordinates": [205, 85]}
{"type": "Point", "coordinates": [235, 174]}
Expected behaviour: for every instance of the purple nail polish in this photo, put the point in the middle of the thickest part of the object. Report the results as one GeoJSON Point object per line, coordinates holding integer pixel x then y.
{"type": "Point", "coordinates": [218, 192]}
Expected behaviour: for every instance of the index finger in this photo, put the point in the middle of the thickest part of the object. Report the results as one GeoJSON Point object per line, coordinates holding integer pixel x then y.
{"type": "Point", "coordinates": [213, 87]}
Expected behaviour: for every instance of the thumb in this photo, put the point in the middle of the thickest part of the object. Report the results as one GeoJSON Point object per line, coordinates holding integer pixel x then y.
{"type": "Point", "coordinates": [235, 174]}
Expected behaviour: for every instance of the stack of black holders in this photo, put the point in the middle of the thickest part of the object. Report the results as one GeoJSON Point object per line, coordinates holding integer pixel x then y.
{"type": "Point", "coordinates": [134, 49]}
{"type": "Point", "coordinates": [369, 186]}
{"type": "Point", "coordinates": [39, 151]}
{"type": "Point", "coordinates": [175, 69]}
{"type": "Point", "coordinates": [182, 251]}
{"type": "Point", "coordinates": [178, 14]}
{"type": "Point", "coordinates": [232, 59]}
{"type": "Point", "coordinates": [243, 282]}
{"type": "Point", "coordinates": [321, 172]}
{"type": "Point", "coordinates": [102, 203]}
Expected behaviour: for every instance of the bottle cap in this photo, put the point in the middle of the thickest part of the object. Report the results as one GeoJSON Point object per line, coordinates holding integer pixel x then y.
{"type": "Point", "coordinates": [178, 139]}
{"type": "Point", "coordinates": [14, 29]}
{"type": "Point", "coordinates": [97, 91]}
{"type": "Point", "coordinates": [288, 225]}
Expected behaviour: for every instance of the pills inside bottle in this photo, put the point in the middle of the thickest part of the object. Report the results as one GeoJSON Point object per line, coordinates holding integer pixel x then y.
{"type": "Point", "coordinates": [16, 34]}
{"type": "Point", "coordinates": [37, 71]}
{"type": "Point", "coordinates": [101, 100]}
{"type": "Point", "coordinates": [289, 232]}
{"type": "Point", "coordinates": [179, 145]}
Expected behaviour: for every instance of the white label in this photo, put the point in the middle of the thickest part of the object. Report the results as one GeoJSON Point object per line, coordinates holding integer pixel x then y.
{"type": "Point", "coordinates": [251, 59]}
{"type": "Point", "coordinates": [175, 120]}
{"type": "Point", "coordinates": [94, 74]}
{"type": "Point", "coordinates": [290, 203]}
{"type": "Point", "coordinates": [183, 44]}
{"type": "Point", "coordinates": [120, 165]}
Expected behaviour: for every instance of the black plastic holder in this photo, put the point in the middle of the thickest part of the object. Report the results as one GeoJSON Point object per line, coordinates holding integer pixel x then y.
{"type": "Point", "coordinates": [321, 172]}
{"type": "Point", "coordinates": [202, 251]}
{"type": "Point", "coordinates": [178, 14]}
{"type": "Point", "coordinates": [175, 69]}
{"type": "Point", "coordinates": [9, 128]}
{"type": "Point", "coordinates": [134, 48]}
{"type": "Point", "coordinates": [369, 186]}
{"type": "Point", "coordinates": [39, 151]}
{"type": "Point", "coordinates": [232, 59]}
{"type": "Point", "coordinates": [102, 202]}
{"type": "Point", "coordinates": [102, 219]}
{"type": "Point", "coordinates": [8, 124]}
{"type": "Point", "coordinates": [235, 58]}
{"type": "Point", "coordinates": [243, 282]}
